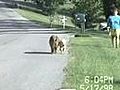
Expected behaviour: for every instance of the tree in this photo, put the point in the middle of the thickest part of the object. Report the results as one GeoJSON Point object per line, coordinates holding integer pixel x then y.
{"type": "Point", "coordinates": [107, 5]}
{"type": "Point", "coordinates": [91, 7]}
{"type": "Point", "coordinates": [49, 6]}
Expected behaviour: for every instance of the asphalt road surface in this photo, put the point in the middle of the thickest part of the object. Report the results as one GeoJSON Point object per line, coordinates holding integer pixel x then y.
{"type": "Point", "coordinates": [25, 59]}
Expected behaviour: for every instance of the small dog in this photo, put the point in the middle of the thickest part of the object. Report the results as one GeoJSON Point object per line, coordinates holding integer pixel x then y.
{"type": "Point", "coordinates": [62, 45]}
{"type": "Point", "coordinates": [56, 44]}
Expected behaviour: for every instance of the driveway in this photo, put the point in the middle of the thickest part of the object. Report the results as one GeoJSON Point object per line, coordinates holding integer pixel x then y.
{"type": "Point", "coordinates": [25, 59]}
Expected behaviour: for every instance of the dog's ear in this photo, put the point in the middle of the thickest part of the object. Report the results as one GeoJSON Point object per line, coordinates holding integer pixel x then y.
{"type": "Point", "coordinates": [56, 38]}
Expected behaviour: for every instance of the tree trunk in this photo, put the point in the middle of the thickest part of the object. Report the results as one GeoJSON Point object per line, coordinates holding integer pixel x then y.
{"type": "Point", "coordinates": [107, 5]}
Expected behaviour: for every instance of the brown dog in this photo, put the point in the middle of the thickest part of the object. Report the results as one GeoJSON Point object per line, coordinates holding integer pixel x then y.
{"type": "Point", "coordinates": [61, 46]}
{"type": "Point", "coordinates": [56, 43]}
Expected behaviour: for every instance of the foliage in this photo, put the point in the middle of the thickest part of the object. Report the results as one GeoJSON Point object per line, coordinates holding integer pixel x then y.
{"type": "Point", "coordinates": [94, 8]}
{"type": "Point", "coordinates": [118, 3]}
{"type": "Point", "coordinates": [91, 7]}
{"type": "Point", "coordinates": [50, 6]}
{"type": "Point", "coordinates": [107, 4]}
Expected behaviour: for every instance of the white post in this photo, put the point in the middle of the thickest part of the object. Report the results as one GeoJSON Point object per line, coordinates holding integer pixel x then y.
{"type": "Point", "coordinates": [64, 21]}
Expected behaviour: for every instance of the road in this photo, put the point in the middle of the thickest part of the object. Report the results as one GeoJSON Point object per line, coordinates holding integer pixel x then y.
{"type": "Point", "coordinates": [25, 59]}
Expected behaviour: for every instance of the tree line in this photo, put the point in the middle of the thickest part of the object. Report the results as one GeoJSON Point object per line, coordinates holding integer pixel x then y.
{"type": "Point", "coordinates": [94, 8]}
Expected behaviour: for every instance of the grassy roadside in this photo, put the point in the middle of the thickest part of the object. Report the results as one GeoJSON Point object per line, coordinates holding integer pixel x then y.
{"type": "Point", "coordinates": [92, 56]}
{"type": "Point", "coordinates": [42, 19]}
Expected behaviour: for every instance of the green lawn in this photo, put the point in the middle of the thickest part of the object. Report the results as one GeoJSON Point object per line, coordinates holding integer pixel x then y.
{"type": "Point", "coordinates": [92, 56]}
{"type": "Point", "coordinates": [44, 20]}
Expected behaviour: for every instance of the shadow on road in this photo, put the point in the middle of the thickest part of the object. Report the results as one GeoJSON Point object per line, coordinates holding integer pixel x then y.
{"type": "Point", "coordinates": [37, 52]}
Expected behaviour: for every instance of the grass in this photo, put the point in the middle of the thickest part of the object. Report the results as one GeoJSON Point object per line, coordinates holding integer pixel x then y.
{"type": "Point", "coordinates": [92, 56]}
{"type": "Point", "coordinates": [42, 19]}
